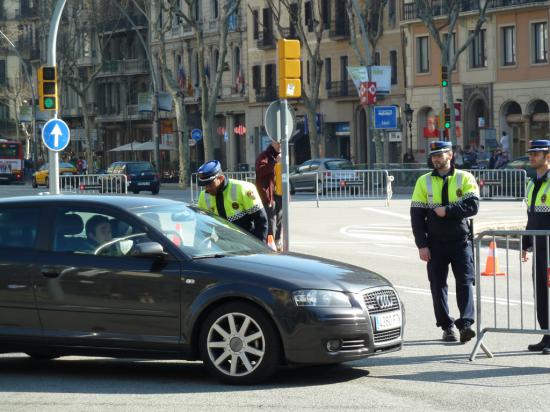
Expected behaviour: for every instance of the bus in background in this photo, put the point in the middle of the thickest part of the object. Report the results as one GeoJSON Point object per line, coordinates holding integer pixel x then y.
{"type": "Point", "coordinates": [12, 165]}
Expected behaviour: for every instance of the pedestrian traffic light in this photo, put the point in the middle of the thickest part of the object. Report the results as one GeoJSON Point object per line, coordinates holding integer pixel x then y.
{"type": "Point", "coordinates": [447, 118]}
{"type": "Point", "coordinates": [444, 76]}
{"type": "Point", "coordinates": [290, 84]}
{"type": "Point", "coordinates": [47, 88]}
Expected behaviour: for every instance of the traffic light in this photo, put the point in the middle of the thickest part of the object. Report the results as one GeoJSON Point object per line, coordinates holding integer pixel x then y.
{"type": "Point", "coordinates": [290, 84]}
{"type": "Point", "coordinates": [47, 88]}
{"type": "Point", "coordinates": [444, 76]}
{"type": "Point", "coordinates": [447, 117]}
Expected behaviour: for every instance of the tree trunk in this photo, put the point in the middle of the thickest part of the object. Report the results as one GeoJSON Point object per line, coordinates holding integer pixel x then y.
{"type": "Point", "coordinates": [88, 123]}
{"type": "Point", "coordinates": [183, 140]}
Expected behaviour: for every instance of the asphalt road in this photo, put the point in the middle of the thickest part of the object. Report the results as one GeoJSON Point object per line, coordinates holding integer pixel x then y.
{"type": "Point", "coordinates": [426, 375]}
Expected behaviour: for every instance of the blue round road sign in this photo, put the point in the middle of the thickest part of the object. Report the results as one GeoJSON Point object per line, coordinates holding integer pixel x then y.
{"type": "Point", "coordinates": [196, 134]}
{"type": "Point", "coordinates": [56, 135]}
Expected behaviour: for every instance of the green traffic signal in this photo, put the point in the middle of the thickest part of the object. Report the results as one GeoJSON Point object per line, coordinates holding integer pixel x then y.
{"type": "Point", "coordinates": [49, 102]}
{"type": "Point", "coordinates": [444, 83]}
{"type": "Point", "coordinates": [447, 125]}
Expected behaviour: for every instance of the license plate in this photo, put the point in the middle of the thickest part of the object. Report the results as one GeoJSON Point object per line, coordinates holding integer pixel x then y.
{"type": "Point", "coordinates": [385, 321]}
{"type": "Point", "coordinates": [143, 183]}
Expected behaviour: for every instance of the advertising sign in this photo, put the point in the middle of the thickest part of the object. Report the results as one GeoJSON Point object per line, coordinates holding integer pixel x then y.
{"type": "Point", "coordinates": [385, 117]}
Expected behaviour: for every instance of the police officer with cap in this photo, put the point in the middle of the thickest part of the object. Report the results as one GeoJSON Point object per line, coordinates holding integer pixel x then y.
{"type": "Point", "coordinates": [538, 218]}
{"type": "Point", "coordinates": [442, 202]}
{"type": "Point", "coordinates": [234, 200]}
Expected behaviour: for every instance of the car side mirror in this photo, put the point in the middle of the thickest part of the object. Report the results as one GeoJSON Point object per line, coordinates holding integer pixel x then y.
{"type": "Point", "coordinates": [303, 169]}
{"type": "Point", "coordinates": [148, 249]}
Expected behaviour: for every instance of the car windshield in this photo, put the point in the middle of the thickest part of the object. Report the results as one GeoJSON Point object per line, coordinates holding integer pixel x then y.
{"type": "Point", "coordinates": [66, 165]}
{"type": "Point", "coordinates": [338, 164]}
{"type": "Point", "coordinates": [199, 234]}
{"type": "Point", "coordinates": [139, 167]}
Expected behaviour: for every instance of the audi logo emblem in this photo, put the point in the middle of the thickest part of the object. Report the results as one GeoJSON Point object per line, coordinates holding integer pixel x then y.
{"type": "Point", "coordinates": [384, 301]}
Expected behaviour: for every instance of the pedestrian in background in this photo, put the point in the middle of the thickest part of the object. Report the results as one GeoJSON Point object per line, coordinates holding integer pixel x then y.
{"type": "Point", "coordinates": [265, 182]}
{"type": "Point", "coordinates": [505, 142]}
{"type": "Point", "coordinates": [442, 202]}
{"type": "Point", "coordinates": [538, 218]}
{"type": "Point", "coordinates": [234, 200]}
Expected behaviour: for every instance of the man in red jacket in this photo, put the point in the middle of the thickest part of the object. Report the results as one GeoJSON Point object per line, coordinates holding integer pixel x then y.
{"type": "Point", "coordinates": [265, 181]}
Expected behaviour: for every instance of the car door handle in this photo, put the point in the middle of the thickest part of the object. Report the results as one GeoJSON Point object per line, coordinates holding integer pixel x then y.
{"type": "Point", "coordinates": [51, 272]}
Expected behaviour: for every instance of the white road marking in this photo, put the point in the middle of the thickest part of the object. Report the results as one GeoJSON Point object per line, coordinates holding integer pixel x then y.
{"type": "Point", "coordinates": [382, 254]}
{"type": "Point", "coordinates": [374, 234]}
{"type": "Point", "coordinates": [387, 213]}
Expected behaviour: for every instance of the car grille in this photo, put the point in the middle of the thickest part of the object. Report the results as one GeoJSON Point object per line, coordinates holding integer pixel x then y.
{"type": "Point", "coordinates": [353, 344]}
{"type": "Point", "coordinates": [380, 301]}
{"type": "Point", "coordinates": [387, 335]}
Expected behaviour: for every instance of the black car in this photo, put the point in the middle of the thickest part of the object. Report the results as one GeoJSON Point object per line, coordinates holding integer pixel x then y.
{"type": "Point", "coordinates": [140, 176]}
{"type": "Point", "coordinates": [169, 281]}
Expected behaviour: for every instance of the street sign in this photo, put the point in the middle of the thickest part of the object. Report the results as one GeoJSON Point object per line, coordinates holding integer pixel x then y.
{"type": "Point", "coordinates": [385, 117]}
{"type": "Point", "coordinates": [273, 119]}
{"type": "Point", "coordinates": [56, 135]}
{"type": "Point", "coordinates": [196, 134]}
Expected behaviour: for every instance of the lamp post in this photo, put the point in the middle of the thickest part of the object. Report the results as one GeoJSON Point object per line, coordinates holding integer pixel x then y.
{"type": "Point", "coordinates": [409, 118]}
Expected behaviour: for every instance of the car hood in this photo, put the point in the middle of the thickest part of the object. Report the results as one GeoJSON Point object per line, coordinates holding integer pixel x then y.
{"type": "Point", "coordinates": [296, 271]}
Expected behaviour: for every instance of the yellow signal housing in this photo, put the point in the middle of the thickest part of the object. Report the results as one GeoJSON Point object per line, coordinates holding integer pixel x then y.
{"type": "Point", "coordinates": [47, 88]}
{"type": "Point", "coordinates": [290, 85]}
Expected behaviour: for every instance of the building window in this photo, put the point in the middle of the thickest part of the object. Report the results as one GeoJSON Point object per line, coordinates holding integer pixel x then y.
{"type": "Point", "coordinates": [256, 77]}
{"type": "Point", "coordinates": [325, 14]}
{"type": "Point", "coordinates": [422, 55]}
{"type": "Point", "coordinates": [328, 73]}
{"type": "Point", "coordinates": [392, 13]}
{"type": "Point", "coordinates": [215, 9]}
{"type": "Point", "coordinates": [308, 13]}
{"type": "Point", "coordinates": [452, 48]}
{"type": "Point", "coordinates": [376, 59]}
{"type": "Point", "coordinates": [508, 35]}
{"type": "Point", "coordinates": [540, 42]}
{"type": "Point", "coordinates": [3, 79]}
{"type": "Point", "coordinates": [393, 64]}
{"type": "Point", "coordinates": [308, 72]}
{"type": "Point", "coordinates": [255, 24]}
{"type": "Point", "coordinates": [478, 54]}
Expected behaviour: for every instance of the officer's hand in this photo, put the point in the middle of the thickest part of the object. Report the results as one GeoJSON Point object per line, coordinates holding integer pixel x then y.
{"type": "Point", "coordinates": [440, 211]}
{"type": "Point", "coordinates": [424, 254]}
{"type": "Point", "coordinates": [524, 256]}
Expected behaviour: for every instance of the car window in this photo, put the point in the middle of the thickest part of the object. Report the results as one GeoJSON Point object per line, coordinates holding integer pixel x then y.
{"type": "Point", "coordinates": [197, 233]}
{"type": "Point", "coordinates": [88, 232]}
{"type": "Point", "coordinates": [338, 165]}
{"type": "Point", "coordinates": [139, 167]}
{"type": "Point", "coordinates": [18, 227]}
{"type": "Point", "coordinates": [66, 165]}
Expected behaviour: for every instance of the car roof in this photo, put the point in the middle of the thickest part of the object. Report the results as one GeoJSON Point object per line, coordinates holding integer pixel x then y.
{"type": "Point", "coordinates": [124, 202]}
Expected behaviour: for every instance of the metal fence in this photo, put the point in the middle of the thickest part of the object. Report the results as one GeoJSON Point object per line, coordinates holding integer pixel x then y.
{"type": "Point", "coordinates": [508, 296]}
{"type": "Point", "coordinates": [195, 189]}
{"type": "Point", "coordinates": [501, 184]}
{"type": "Point", "coordinates": [354, 184]}
{"type": "Point", "coordinates": [107, 183]}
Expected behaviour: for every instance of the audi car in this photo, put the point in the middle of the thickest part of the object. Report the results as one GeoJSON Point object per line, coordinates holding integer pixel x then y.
{"type": "Point", "coordinates": [132, 277]}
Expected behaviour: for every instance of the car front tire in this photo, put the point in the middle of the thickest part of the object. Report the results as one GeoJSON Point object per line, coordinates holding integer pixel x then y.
{"type": "Point", "coordinates": [34, 183]}
{"type": "Point", "coordinates": [239, 344]}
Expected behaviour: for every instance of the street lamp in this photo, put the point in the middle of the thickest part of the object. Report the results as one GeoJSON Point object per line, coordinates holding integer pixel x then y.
{"type": "Point", "coordinates": [409, 118]}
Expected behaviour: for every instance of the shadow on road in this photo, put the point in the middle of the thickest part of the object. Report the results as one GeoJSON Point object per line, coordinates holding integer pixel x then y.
{"type": "Point", "coordinates": [114, 376]}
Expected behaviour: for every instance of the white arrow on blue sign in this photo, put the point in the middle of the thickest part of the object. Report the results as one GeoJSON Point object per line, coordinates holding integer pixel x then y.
{"type": "Point", "coordinates": [56, 135]}
{"type": "Point", "coordinates": [196, 134]}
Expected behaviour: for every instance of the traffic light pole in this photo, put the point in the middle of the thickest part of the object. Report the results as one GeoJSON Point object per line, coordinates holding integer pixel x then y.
{"type": "Point", "coordinates": [285, 174]}
{"type": "Point", "coordinates": [53, 156]}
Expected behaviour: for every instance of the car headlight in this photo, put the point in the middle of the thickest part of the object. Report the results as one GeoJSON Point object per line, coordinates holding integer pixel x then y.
{"type": "Point", "coordinates": [321, 298]}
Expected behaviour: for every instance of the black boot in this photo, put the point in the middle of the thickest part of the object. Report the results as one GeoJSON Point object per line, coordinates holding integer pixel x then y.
{"type": "Point", "coordinates": [543, 344]}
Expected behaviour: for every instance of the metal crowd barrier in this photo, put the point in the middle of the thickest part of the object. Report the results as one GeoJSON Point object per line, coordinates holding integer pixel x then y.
{"type": "Point", "coordinates": [509, 289]}
{"type": "Point", "coordinates": [107, 183]}
{"type": "Point", "coordinates": [195, 189]}
{"type": "Point", "coordinates": [501, 184]}
{"type": "Point", "coordinates": [354, 184]}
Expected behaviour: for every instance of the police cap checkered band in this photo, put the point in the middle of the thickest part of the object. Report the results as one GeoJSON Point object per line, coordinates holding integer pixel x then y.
{"type": "Point", "coordinates": [440, 147]}
{"type": "Point", "coordinates": [208, 172]}
{"type": "Point", "coordinates": [539, 146]}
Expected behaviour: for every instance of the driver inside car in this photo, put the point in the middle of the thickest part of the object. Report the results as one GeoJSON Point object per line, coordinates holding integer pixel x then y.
{"type": "Point", "coordinates": [99, 233]}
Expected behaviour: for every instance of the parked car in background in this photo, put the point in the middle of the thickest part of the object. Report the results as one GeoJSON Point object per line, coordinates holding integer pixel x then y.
{"type": "Point", "coordinates": [141, 176]}
{"type": "Point", "coordinates": [41, 176]}
{"type": "Point", "coordinates": [168, 281]}
{"type": "Point", "coordinates": [325, 175]}
{"type": "Point", "coordinates": [522, 162]}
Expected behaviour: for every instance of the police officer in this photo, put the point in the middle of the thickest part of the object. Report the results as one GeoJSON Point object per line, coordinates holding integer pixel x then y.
{"type": "Point", "coordinates": [441, 203]}
{"type": "Point", "coordinates": [234, 200]}
{"type": "Point", "coordinates": [538, 218]}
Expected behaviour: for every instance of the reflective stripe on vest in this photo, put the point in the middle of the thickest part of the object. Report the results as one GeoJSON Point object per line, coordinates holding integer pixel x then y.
{"type": "Point", "coordinates": [430, 190]}
{"type": "Point", "coordinates": [530, 186]}
{"type": "Point", "coordinates": [207, 200]}
{"type": "Point", "coordinates": [233, 196]}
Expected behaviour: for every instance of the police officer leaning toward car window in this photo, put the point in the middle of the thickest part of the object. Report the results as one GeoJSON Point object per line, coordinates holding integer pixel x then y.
{"type": "Point", "coordinates": [234, 200]}
{"type": "Point", "coordinates": [442, 202]}
{"type": "Point", "coordinates": [538, 218]}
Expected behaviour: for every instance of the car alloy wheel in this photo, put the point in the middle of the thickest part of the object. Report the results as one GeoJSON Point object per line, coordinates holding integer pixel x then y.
{"type": "Point", "coordinates": [34, 184]}
{"type": "Point", "coordinates": [239, 344]}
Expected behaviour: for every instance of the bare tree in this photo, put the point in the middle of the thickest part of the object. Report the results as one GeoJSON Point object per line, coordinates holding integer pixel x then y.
{"type": "Point", "coordinates": [311, 43]}
{"type": "Point", "coordinates": [441, 19]}
{"type": "Point", "coordinates": [371, 18]}
{"type": "Point", "coordinates": [209, 87]}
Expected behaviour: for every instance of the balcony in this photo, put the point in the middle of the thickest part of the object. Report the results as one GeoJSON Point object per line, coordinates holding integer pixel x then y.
{"type": "Point", "coordinates": [121, 114]}
{"type": "Point", "coordinates": [266, 94]}
{"type": "Point", "coordinates": [122, 24]}
{"type": "Point", "coordinates": [266, 40]}
{"type": "Point", "coordinates": [339, 29]}
{"type": "Point", "coordinates": [237, 23]}
{"type": "Point", "coordinates": [24, 13]}
{"type": "Point", "coordinates": [341, 89]}
{"type": "Point", "coordinates": [124, 67]}
{"type": "Point", "coordinates": [439, 7]}
{"type": "Point", "coordinates": [290, 33]}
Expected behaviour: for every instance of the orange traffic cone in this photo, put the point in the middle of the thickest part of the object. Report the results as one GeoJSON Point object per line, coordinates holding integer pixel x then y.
{"type": "Point", "coordinates": [271, 242]}
{"type": "Point", "coordinates": [491, 265]}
